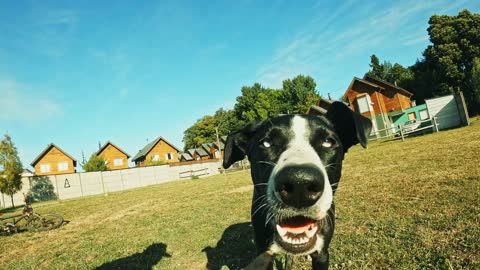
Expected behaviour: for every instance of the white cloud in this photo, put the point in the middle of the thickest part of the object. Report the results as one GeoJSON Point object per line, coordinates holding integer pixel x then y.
{"type": "Point", "coordinates": [354, 27]}
{"type": "Point", "coordinates": [18, 103]}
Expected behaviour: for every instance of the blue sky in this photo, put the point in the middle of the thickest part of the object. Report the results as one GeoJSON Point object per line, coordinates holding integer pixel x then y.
{"type": "Point", "coordinates": [76, 73]}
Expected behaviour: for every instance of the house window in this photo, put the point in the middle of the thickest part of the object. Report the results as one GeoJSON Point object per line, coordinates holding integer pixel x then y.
{"type": "Point", "coordinates": [118, 162]}
{"type": "Point", "coordinates": [62, 166]}
{"type": "Point", "coordinates": [423, 114]}
{"type": "Point", "coordinates": [156, 157]}
{"type": "Point", "coordinates": [169, 156]}
{"type": "Point", "coordinates": [44, 168]}
{"type": "Point", "coordinates": [364, 104]}
{"type": "Point", "coordinates": [412, 116]}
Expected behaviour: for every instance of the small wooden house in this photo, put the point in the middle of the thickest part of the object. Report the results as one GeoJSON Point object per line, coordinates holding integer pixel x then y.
{"type": "Point", "coordinates": [377, 100]}
{"type": "Point", "coordinates": [206, 147]}
{"type": "Point", "coordinates": [184, 157]}
{"type": "Point", "coordinates": [214, 150]}
{"type": "Point", "coordinates": [200, 154]}
{"type": "Point", "coordinates": [114, 156]}
{"type": "Point", "coordinates": [158, 151]}
{"type": "Point", "coordinates": [53, 160]}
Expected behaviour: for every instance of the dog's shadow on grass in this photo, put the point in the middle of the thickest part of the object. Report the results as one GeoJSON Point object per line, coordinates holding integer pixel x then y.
{"type": "Point", "coordinates": [235, 249]}
{"type": "Point", "coordinates": [139, 261]}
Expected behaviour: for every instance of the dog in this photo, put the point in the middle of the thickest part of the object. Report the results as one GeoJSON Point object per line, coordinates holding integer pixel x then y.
{"type": "Point", "coordinates": [296, 163]}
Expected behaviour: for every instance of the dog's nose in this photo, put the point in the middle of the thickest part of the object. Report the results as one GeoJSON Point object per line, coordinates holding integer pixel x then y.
{"type": "Point", "coordinates": [299, 186]}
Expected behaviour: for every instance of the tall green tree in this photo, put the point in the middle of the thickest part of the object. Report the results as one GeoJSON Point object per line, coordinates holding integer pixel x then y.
{"type": "Point", "coordinates": [10, 168]}
{"type": "Point", "coordinates": [204, 129]}
{"type": "Point", "coordinates": [449, 62]}
{"type": "Point", "coordinates": [392, 73]}
{"type": "Point", "coordinates": [257, 102]}
{"type": "Point", "coordinates": [95, 164]}
{"type": "Point", "coordinates": [376, 69]}
{"type": "Point", "coordinates": [298, 94]}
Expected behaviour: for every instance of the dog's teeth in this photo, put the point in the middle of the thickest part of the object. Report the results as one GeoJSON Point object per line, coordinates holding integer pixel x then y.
{"type": "Point", "coordinates": [281, 231]}
{"type": "Point", "coordinates": [304, 240]}
{"type": "Point", "coordinates": [311, 231]}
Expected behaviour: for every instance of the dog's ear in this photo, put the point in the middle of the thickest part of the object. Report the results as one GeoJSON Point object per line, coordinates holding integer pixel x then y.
{"type": "Point", "coordinates": [238, 142]}
{"type": "Point", "coordinates": [352, 127]}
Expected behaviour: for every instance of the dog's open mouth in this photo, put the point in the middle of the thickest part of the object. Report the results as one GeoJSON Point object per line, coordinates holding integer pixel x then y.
{"type": "Point", "coordinates": [297, 234]}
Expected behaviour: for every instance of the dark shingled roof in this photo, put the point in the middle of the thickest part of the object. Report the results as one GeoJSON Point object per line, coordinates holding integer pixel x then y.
{"type": "Point", "coordinates": [206, 146]}
{"type": "Point", "coordinates": [222, 145]}
{"type": "Point", "coordinates": [50, 146]}
{"type": "Point", "coordinates": [201, 152]}
{"type": "Point", "coordinates": [105, 146]}
{"type": "Point", "coordinates": [148, 148]}
{"type": "Point", "coordinates": [186, 156]}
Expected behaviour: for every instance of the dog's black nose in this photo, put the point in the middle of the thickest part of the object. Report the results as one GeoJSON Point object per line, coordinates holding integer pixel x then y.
{"type": "Point", "coordinates": [300, 185]}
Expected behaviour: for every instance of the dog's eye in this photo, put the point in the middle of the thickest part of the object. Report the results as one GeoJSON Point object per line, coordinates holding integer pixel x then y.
{"type": "Point", "coordinates": [328, 143]}
{"type": "Point", "coordinates": [267, 143]}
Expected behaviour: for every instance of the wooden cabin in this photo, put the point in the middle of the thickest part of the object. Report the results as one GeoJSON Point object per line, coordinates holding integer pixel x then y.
{"type": "Point", "coordinates": [54, 160]}
{"type": "Point", "coordinates": [214, 150]}
{"type": "Point", "coordinates": [157, 152]}
{"type": "Point", "coordinates": [377, 100]}
{"type": "Point", "coordinates": [206, 147]}
{"type": "Point", "coordinates": [200, 154]}
{"type": "Point", "coordinates": [370, 96]}
{"type": "Point", "coordinates": [114, 156]}
{"type": "Point", "coordinates": [184, 157]}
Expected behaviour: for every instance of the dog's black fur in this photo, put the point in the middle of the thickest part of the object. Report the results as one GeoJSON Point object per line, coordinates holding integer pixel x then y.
{"type": "Point", "coordinates": [294, 190]}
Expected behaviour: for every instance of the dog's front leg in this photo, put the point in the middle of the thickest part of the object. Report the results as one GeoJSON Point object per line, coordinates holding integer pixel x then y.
{"type": "Point", "coordinates": [320, 260]}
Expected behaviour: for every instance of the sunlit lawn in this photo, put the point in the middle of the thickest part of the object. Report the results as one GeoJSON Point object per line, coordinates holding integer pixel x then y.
{"type": "Point", "coordinates": [400, 205]}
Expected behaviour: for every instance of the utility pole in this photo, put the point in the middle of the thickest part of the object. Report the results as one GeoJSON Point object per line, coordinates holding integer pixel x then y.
{"type": "Point", "coordinates": [219, 148]}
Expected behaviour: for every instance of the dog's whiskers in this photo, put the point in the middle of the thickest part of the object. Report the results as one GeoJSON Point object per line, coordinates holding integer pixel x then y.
{"type": "Point", "coordinates": [267, 162]}
{"type": "Point", "coordinates": [259, 198]}
{"type": "Point", "coordinates": [261, 206]}
{"type": "Point", "coordinates": [261, 184]}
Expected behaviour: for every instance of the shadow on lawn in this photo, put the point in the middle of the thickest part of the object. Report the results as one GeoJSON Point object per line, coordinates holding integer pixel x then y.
{"type": "Point", "coordinates": [235, 249]}
{"type": "Point", "coordinates": [139, 261]}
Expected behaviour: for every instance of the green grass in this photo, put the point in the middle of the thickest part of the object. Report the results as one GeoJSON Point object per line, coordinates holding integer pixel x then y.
{"type": "Point", "coordinates": [400, 205]}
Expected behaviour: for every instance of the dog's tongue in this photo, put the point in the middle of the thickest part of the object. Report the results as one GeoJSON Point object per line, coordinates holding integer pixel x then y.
{"type": "Point", "coordinates": [306, 225]}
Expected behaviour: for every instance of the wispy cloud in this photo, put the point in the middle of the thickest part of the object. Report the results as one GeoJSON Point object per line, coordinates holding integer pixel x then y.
{"type": "Point", "coordinates": [19, 103]}
{"type": "Point", "coordinates": [353, 27]}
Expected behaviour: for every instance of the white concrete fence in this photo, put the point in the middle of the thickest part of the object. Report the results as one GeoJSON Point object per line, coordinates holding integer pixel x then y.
{"type": "Point", "coordinates": [68, 186]}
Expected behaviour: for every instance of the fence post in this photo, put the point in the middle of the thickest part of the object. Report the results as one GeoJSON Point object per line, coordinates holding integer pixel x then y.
{"type": "Point", "coordinates": [121, 180]}
{"type": "Point", "coordinates": [56, 185]}
{"type": "Point", "coordinates": [401, 133]}
{"type": "Point", "coordinates": [81, 186]}
{"type": "Point", "coordinates": [435, 124]}
{"type": "Point", "coordinates": [103, 185]}
{"type": "Point", "coordinates": [3, 201]}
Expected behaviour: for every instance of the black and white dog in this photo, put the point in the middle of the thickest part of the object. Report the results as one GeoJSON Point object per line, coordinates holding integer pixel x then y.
{"type": "Point", "coordinates": [296, 163]}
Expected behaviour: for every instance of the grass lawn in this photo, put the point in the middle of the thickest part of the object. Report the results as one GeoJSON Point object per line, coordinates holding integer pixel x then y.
{"type": "Point", "coordinates": [400, 205]}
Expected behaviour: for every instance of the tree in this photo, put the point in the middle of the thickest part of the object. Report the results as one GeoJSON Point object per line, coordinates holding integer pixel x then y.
{"type": "Point", "coordinates": [298, 94]}
{"type": "Point", "coordinates": [10, 168]}
{"type": "Point", "coordinates": [376, 69]}
{"type": "Point", "coordinates": [257, 102]}
{"type": "Point", "coordinates": [450, 61]}
{"type": "Point", "coordinates": [95, 164]}
{"type": "Point", "coordinates": [395, 74]}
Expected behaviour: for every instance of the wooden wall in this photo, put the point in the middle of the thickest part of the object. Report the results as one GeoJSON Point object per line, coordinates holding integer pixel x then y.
{"type": "Point", "coordinates": [384, 101]}
{"type": "Point", "coordinates": [53, 157]}
{"type": "Point", "coordinates": [161, 148]}
{"type": "Point", "coordinates": [110, 153]}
